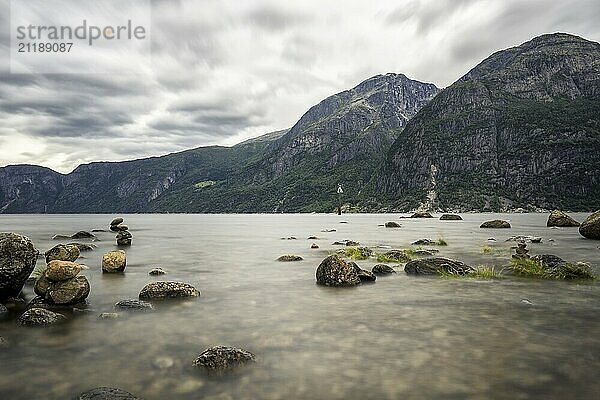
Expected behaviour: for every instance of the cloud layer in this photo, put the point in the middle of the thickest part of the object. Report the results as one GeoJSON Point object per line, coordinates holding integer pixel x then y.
{"type": "Point", "coordinates": [224, 71]}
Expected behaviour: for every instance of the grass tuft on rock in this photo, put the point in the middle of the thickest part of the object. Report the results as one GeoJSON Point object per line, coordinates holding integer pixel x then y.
{"type": "Point", "coordinates": [441, 241]}
{"type": "Point", "coordinates": [356, 253]}
{"type": "Point", "coordinates": [396, 256]}
{"type": "Point", "coordinates": [527, 267]}
{"type": "Point", "coordinates": [482, 272]}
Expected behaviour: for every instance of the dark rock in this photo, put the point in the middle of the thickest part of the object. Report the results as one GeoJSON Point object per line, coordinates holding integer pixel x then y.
{"type": "Point", "coordinates": [134, 305]}
{"type": "Point", "coordinates": [366, 276]}
{"type": "Point", "coordinates": [550, 260]}
{"type": "Point", "coordinates": [435, 266]}
{"type": "Point", "coordinates": [114, 261]}
{"type": "Point", "coordinates": [312, 238]}
{"type": "Point", "coordinates": [590, 228]}
{"type": "Point", "coordinates": [3, 342]}
{"type": "Point", "coordinates": [41, 285]}
{"type": "Point", "coordinates": [157, 271]}
{"type": "Point", "coordinates": [497, 223]}
{"type": "Point", "coordinates": [98, 230]}
{"type": "Point", "coordinates": [351, 243]}
{"type": "Point", "coordinates": [109, 315]}
{"type": "Point", "coordinates": [83, 235]}
{"type": "Point", "coordinates": [168, 290]}
{"type": "Point", "coordinates": [450, 217]}
{"type": "Point", "coordinates": [392, 224]}
{"type": "Point", "coordinates": [289, 258]}
{"type": "Point", "coordinates": [61, 270]}
{"type": "Point", "coordinates": [421, 214]}
{"type": "Point", "coordinates": [116, 221]}
{"type": "Point", "coordinates": [3, 311]}
{"type": "Point", "coordinates": [314, 246]}
{"type": "Point", "coordinates": [122, 228]}
{"type": "Point", "coordinates": [72, 291]}
{"type": "Point", "coordinates": [424, 253]}
{"type": "Point", "coordinates": [382, 269]}
{"type": "Point", "coordinates": [559, 218]}
{"type": "Point", "coordinates": [62, 252]}
{"type": "Point", "coordinates": [39, 317]}
{"type": "Point", "coordinates": [222, 358]}
{"type": "Point", "coordinates": [61, 237]}
{"type": "Point", "coordinates": [423, 242]}
{"type": "Point", "coordinates": [17, 260]}
{"type": "Point", "coordinates": [106, 393]}
{"type": "Point", "coordinates": [334, 271]}
{"type": "Point", "coordinates": [124, 238]}
{"type": "Point", "coordinates": [84, 246]}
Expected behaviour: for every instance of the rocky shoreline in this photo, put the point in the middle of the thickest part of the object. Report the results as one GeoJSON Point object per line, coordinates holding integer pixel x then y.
{"type": "Point", "coordinates": [62, 290]}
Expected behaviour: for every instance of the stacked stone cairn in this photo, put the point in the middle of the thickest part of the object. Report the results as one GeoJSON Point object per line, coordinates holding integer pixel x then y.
{"type": "Point", "coordinates": [60, 283]}
{"type": "Point", "coordinates": [521, 250]}
{"type": "Point", "coordinates": [123, 235]}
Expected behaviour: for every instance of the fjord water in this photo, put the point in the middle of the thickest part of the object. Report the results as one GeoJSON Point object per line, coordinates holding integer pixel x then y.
{"type": "Point", "coordinates": [401, 337]}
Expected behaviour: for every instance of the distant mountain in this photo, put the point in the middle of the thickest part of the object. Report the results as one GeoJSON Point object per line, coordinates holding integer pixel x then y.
{"type": "Point", "coordinates": [521, 129]}
{"type": "Point", "coordinates": [292, 170]}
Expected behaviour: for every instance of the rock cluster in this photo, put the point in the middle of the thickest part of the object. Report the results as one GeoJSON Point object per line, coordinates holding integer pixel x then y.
{"type": "Point", "coordinates": [521, 250]}
{"type": "Point", "coordinates": [123, 235]}
{"type": "Point", "coordinates": [559, 218]}
{"type": "Point", "coordinates": [60, 283]}
{"type": "Point", "coordinates": [17, 260]}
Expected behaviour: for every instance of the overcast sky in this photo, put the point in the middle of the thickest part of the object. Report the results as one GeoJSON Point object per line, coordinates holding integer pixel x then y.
{"type": "Point", "coordinates": [223, 71]}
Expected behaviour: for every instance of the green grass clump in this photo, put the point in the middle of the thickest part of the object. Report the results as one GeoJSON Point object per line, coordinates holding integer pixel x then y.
{"type": "Point", "coordinates": [485, 272]}
{"type": "Point", "coordinates": [204, 184]}
{"type": "Point", "coordinates": [396, 256]}
{"type": "Point", "coordinates": [356, 253]}
{"type": "Point", "coordinates": [441, 241]}
{"type": "Point", "coordinates": [535, 269]}
{"type": "Point", "coordinates": [487, 249]}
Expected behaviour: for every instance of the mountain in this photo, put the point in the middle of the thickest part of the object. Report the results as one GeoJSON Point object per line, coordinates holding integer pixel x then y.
{"type": "Point", "coordinates": [291, 170]}
{"type": "Point", "coordinates": [521, 129]}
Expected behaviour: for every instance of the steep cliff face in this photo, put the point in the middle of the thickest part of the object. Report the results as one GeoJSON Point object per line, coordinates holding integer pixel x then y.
{"type": "Point", "coordinates": [521, 128]}
{"type": "Point", "coordinates": [28, 188]}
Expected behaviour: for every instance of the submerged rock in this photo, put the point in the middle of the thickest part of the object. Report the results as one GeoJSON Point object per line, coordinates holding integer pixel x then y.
{"type": "Point", "coordinates": [398, 256]}
{"type": "Point", "coordinates": [497, 224]}
{"type": "Point", "coordinates": [83, 246]}
{"type": "Point", "coordinates": [39, 317]}
{"type": "Point", "coordinates": [421, 214]}
{"type": "Point", "coordinates": [334, 271]}
{"type": "Point", "coordinates": [83, 235]}
{"type": "Point", "coordinates": [106, 393]}
{"type": "Point", "coordinates": [17, 260]}
{"type": "Point", "coordinates": [590, 228]}
{"type": "Point", "coordinates": [289, 258]}
{"type": "Point", "coordinates": [366, 276]}
{"type": "Point", "coordinates": [109, 315]}
{"type": "Point", "coordinates": [450, 217]}
{"type": "Point", "coordinates": [314, 246]}
{"type": "Point", "coordinates": [157, 271]}
{"type": "Point", "coordinates": [114, 261]}
{"type": "Point", "coordinates": [168, 290]}
{"type": "Point", "coordinates": [559, 218]}
{"type": "Point", "coordinates": [423, 242]}
{"type": "Point", "coordinates": [437, 266]}
{"type": "Point", "coordinates": [392, 224]}
{"type": "Point", "coordinates": [61, 237]}
{"type": "Point", "coordinates": [223, 358]}
{"type": "Point", "coordinates": [382, 269]}
{"type": "Point", "coordinates": [62, 252]}
{"type": "Point", "coordinates": [550, 260]}
{"type": "Point", "coordinates": [424, 253]}
{"type": "Point", "coordinates": [134, 305]}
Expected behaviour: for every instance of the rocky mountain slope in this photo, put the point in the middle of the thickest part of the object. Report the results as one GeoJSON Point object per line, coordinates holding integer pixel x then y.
{"type": "Point", "coordinates": [295, 170]}
{"type": "Point", "coordinates": [520, 129]}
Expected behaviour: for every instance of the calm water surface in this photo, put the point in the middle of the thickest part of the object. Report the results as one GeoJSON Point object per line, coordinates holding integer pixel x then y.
{"type": "Point", "coordinates": [400, 338]}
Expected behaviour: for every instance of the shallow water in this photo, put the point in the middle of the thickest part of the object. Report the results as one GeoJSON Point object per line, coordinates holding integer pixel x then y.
{"type": "Point", "coordinates": [402, 337]}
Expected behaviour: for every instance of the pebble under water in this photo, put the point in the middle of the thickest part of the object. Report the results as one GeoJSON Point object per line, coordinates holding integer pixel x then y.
{"type": "Point", "coordinates": [402, 337]}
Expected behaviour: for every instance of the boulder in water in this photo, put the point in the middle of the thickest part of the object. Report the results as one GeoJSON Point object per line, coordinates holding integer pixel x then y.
{"type": "Point", "coordinates": [62, 270]}
{"type": "Point", "coordinates": [559, 218]}
{"type": "Point", "coordinates": [289, 258]}
{"type": "Point", "coordinates": [436, 266]}
{"type": "Point", "coordinates": [106, 393]}
{"type": "Point", "coordinates": [114, 261]}
{"type": "Point", "coordinates": [450, 217]}
{"type": "Point", "coordinates": [157, 271]}
{"type": "Point", "coordinates": [392, 224]}
{"type": "Point", "coordinates": [590, 228]}
{"type": "Point", "coordinates": [83, 235]}
{"type": "Point", "coordinates": [382, 269]}
{"type": "Point", "coordinates": [71, 291]}
{"type": "Point", "coordinates": [39, 317]}
{"type": "Point", "coordinates": [134, 305]}
{"type": "Point", "coordinates": [421, 214]}
{"type": "Point", "coordinates": [168, 290]}
{"type": "Point", "coordinates": [496, 224]}
{"type": "Point", "coordinates": [223, 358]}
{"type": "Point", "coordinates": [334, 271]}
{"type": "Point", "coordinates": [17, 260]}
